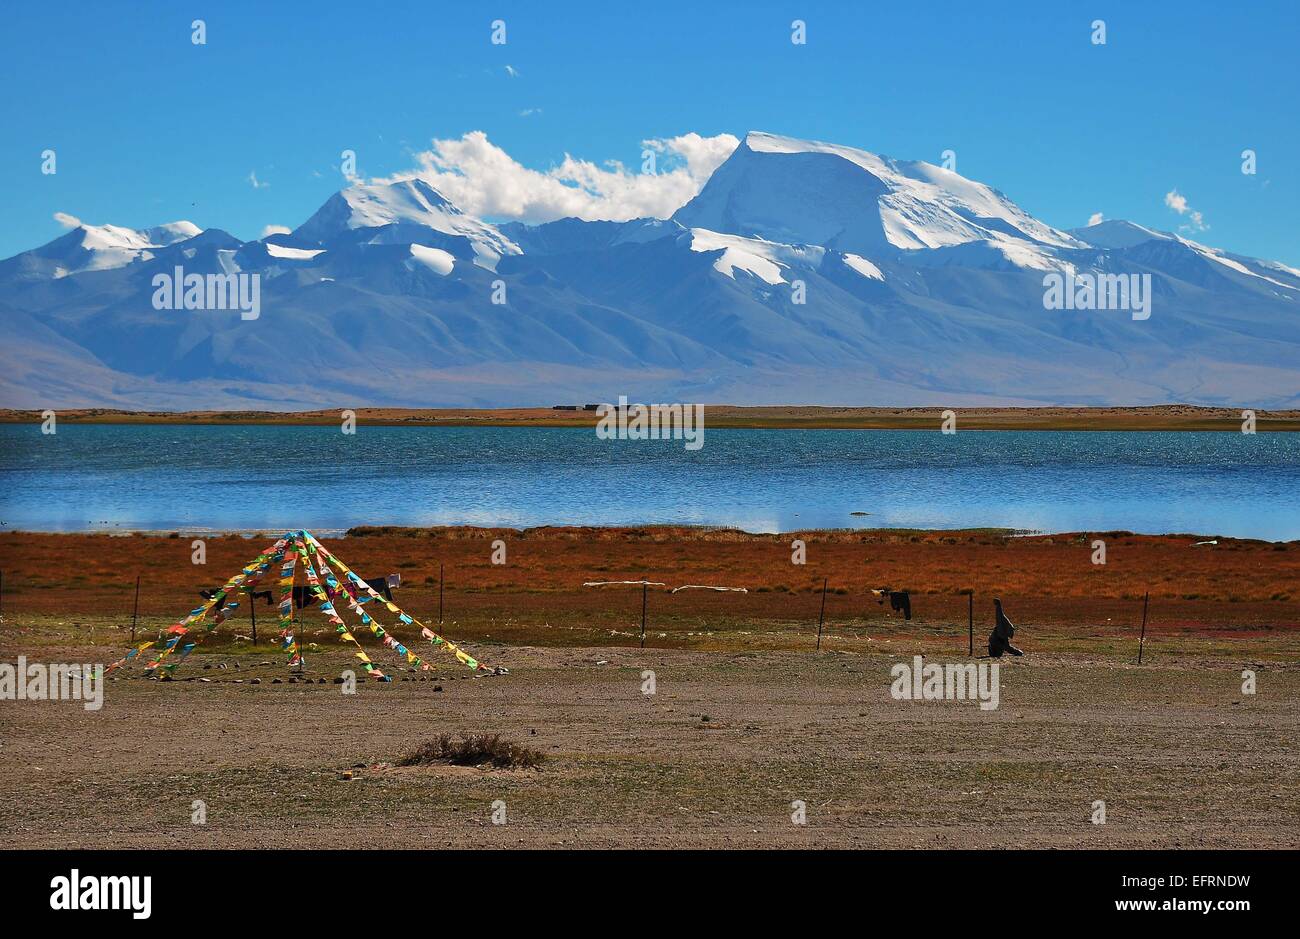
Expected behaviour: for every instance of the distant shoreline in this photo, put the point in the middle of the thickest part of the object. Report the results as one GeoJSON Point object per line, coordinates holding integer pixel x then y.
{"type": "Point", "coordinates": [1173, 417]}
{"type": "Point", "coordinates": [654, 533]}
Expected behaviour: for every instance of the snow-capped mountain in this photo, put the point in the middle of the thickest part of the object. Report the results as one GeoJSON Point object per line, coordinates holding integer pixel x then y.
{"type": "Point", "coordinates": [802, 272]}
{"type": "Point", "coordinates": [406, 212]}
{"type": "Point", "coordinates": [95, 248]}
{"type": "Point", "coordinates": [799, 192]}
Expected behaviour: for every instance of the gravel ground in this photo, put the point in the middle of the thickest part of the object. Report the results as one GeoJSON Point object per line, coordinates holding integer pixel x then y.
{"type": "Point", "coordinates": [714, 758]}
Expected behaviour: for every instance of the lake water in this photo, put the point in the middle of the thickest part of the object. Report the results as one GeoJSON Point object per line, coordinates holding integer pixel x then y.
{"type": "Point", "coordinates": [164, 477]}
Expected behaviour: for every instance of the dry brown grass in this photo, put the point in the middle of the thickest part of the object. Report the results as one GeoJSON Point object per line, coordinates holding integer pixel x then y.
{"type": "Point", "coordinates": [473, 750]}
{"type": "Point", "coordinates": [1233, 589]}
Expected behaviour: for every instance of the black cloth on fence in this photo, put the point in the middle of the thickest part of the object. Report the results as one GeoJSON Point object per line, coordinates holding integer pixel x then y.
{"type": "Point", "coordinates": [901, 600]}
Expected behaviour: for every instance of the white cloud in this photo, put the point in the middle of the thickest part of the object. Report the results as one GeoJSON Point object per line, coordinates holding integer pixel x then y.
{"type": "Point", "coordinates": [512, 71]}
{"type": "Point", "coordinates": [529, 112]}
{"type": "Point", "coordinates": [484, 180]}
{"type": "Point", "coordinates": [274, 230]}
{"type": "Point", "coordinates": [1178, 202]}
{"type": "Point", "coordinates": [255, 182]}
{"type": "Point", "coordinates": [66, 220]}
{"type": "Point", "coordinates": [1095, 218]}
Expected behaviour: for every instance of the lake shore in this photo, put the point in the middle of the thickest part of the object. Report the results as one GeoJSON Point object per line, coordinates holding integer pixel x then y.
{"type": "Point", "coordinates": [1154, 418]}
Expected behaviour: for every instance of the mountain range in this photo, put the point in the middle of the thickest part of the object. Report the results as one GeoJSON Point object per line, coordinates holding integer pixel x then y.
{"type": "Point", "coordinates": [801, 273]}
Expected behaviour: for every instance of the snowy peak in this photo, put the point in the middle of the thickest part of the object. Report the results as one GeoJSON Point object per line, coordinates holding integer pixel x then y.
{"type": "Point", "coordinates": [172, 233]}
{"type": "Point", "coordinates": [399, 212]}
{"type": "Point", "coordinates": [1117, 233]}
{"type": "Point", "coordinates": [1177, 253]}
{"type": "Point", "coordinates": [375, 205]}
{"type": "Point", "coordinates": [101, 248]}
{"type": "Point", "coordinates": [808, 192]}
{"type": "Point", "coordinates": [115, 237]}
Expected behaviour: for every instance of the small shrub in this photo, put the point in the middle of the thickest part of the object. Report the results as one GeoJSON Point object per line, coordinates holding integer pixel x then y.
{"type": "Point", "coordinates": [473, 750]}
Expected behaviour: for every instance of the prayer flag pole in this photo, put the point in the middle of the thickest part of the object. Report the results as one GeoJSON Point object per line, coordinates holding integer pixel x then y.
{"type": "Point", "coordinates": [970, 619]}
{"type": "Point", "coordinates": [1146, 598]}
{"type": "Point", "coordinates": [135, 608]}
{"type": "Point", "coordinates": [822, 615]}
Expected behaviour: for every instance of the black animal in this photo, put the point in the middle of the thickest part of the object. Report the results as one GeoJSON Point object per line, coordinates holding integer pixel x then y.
{"type": "Point", "coordinates": [898, 600]}
{"type": "Point", "coordinates": [1003, 631]}
{"type": "Point", "coordinates": [303, 596]}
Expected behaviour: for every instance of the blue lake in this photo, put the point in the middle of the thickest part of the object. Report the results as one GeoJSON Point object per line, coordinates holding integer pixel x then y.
{"type": "Point", "coordinates": [161, 477]}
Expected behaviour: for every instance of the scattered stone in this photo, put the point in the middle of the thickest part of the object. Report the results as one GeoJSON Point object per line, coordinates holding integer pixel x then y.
{"type": "Point", "coordinates": [437, 687]}
{"type": "Point", "coordinates": [255, 681]}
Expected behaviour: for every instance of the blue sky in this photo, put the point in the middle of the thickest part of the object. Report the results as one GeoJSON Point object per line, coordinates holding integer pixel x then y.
{"type": "Point", "coordinates": [149, 127]}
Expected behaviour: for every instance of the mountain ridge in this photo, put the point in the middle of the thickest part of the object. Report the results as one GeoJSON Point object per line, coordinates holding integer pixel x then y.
{"type": "Point", "coordinates": [800, 273]}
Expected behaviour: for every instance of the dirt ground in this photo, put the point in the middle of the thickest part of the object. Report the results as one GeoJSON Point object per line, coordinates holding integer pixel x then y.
{"type": "Point", "coordinates": [745, 719]}
{"type": "Point", "coordinates": [714, 758]}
